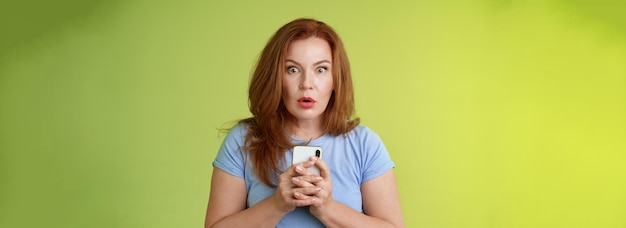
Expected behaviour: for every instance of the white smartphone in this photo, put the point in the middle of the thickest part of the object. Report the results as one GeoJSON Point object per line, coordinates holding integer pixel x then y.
{"type": "Point", "coordinates": [304, 153]}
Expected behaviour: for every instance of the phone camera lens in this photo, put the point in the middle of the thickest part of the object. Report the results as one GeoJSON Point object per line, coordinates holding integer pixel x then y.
{"type": "Point", "coordinates": [317, 153]}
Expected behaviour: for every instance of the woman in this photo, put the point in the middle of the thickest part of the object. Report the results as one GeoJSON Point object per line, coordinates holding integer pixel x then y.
{"type": "Point", "coordinates": [301, 94]}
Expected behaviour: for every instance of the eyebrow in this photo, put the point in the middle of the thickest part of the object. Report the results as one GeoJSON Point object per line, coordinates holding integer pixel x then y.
{"type": "Point", "coordinates": [316, 63]}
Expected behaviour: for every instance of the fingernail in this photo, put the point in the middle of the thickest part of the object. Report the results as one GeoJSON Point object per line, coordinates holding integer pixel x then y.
{"type": "Point", "coordinates": [314, 158]}
{"type": "Point", "coordinates": [318, 189]}
{"type": "Point", "coordinates": [298, 168]}
{"type": "Point", "coordinates": [295, 179]}
{"type": "Point", "coordinates": [319, 178]}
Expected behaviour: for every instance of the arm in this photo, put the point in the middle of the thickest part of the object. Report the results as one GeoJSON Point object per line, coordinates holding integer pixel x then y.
{"type": "Point", "coordinates": [381, 199]}
{"type": "Point", "coordinates": [227, 205]}
{"type": "Point", "coordinates": [227, 202]}
{"type": "Point", "coordinates": [381, 203]}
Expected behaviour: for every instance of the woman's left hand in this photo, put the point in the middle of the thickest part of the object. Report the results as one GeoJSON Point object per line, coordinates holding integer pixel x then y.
{"type": "Point", "coordinates": [324, 197]}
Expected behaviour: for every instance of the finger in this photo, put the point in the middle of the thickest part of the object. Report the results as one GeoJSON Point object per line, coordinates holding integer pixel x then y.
{"type": "Point", "coordinates": [323, 167]}
{"type": "Point", "coordinates": [306, 181]}
{"type": "Point", "coordinates": [294, 169]}
{"type": "Point", "coordinates": [322, 196]}
{"type": "Point", "coordinates": [305, 193]}
{"type": "Point", "coordinates": [308, 164]}
{"type": "Point", "coordinates": [284, 179]}
{"type": "Point", "coordinates": [290, 172]}
{"type": "Point", "coordinates": [322, 193]}
{"type": "Point", "coordinates": [300, 183]}
{"type": "Point", "coordinates": [302, 168]}
{"type": "Point", "coordinates": [304, 202]}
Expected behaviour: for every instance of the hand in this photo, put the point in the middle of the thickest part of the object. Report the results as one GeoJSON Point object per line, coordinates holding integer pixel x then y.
{"type": "Point", "coordinates": [322, 198]}
{"type": "Point", "coordinates": [296, 187]}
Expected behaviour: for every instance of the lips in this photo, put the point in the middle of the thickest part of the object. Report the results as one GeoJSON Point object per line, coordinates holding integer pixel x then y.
{"type": "Point", "coordinates": [306, 102]}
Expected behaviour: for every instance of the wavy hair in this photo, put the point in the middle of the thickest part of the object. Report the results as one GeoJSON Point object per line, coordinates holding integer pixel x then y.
{"type": "Point", "coordinates": [267, 141]}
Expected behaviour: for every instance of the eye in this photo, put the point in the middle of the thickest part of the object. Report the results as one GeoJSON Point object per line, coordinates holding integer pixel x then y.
{"type": "Point", "coordinates": [292, 70]}
{"type": "Point", "coordinates": [322, 69]}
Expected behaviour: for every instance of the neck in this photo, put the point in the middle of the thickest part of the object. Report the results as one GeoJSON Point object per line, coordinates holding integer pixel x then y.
{"type": "Point", "coordinates": [306, 130]}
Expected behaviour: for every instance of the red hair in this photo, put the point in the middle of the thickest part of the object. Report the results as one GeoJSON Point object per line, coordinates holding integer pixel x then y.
{"type": "Point", "coordinates": [267, 141]}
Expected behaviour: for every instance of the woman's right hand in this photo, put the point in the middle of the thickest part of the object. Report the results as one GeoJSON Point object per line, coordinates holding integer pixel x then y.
{"type": "Point", "coordinates": [296, 187]}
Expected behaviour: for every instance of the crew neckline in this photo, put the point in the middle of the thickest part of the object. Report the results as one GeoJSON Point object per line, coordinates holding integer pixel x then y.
{"type": "Point", "coordinates": [300, 141]}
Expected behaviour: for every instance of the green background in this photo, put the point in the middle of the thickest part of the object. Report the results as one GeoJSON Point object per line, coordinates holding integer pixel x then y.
{"type": "Point", "coordinates": [497, 113]}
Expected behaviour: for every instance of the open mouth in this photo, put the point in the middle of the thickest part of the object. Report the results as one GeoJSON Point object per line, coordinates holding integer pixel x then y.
{"type": "Point", "coordinates": [306, 102]}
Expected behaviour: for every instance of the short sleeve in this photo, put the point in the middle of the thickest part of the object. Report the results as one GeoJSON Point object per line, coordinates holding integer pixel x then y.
{"type": "Point", "coordinates": [377, 160]}
{"type": "Point", "coordinates": [230, 156]}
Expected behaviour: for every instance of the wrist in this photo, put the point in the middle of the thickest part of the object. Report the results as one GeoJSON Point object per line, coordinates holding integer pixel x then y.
{"type": "Point", "coordinates": [279, 205]}
{"type": "Point", "coordinates": [324, 210]}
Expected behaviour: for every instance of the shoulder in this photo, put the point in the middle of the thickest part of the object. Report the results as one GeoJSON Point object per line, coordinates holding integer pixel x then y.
{"type": "Point", "coordinates": [364, 137]}
{"type": "Point", "coordinates": [238, 131]}
{"type": "Point", "coordinates": [362, 129]}
{"type": "Point", "coordinates": [235, 136]}
{"type": "Point", "coordinates": [363, 133]}
{"type": "Point", "coordinates": [241, 127]}
{"type": "Point", "coordinates": [230, 157]}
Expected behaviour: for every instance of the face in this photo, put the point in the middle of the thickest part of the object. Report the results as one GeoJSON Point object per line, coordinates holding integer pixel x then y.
{"type": "Point", "coordinates": [308, 80]}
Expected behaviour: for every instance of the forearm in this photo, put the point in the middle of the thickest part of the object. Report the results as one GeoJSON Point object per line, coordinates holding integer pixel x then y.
{"type": "Point", "coordinates": [262, 214]}
{"type": "Point", "coordinates": [340, 215]}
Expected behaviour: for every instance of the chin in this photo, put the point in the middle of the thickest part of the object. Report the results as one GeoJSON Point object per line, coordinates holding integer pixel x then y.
{"type": "Point", "coordinates": [307, 116]}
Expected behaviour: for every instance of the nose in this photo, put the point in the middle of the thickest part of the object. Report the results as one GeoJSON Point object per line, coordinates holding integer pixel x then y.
{"type": "Point", "coordinates": [306, 81]}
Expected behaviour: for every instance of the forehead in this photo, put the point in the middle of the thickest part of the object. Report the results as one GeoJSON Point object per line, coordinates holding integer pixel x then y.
{"type": "Point", "coordinates": [312, 48]}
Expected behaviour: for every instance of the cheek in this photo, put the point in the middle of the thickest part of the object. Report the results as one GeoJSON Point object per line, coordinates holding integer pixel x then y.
{"type": "Point", "coordinates": [329, 87]}
{"type": "Point", "coordinates": [289, 88]}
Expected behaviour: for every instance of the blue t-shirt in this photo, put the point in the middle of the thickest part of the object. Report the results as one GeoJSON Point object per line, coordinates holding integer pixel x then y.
{"type": "Point", "coordinates": [353, 158]}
